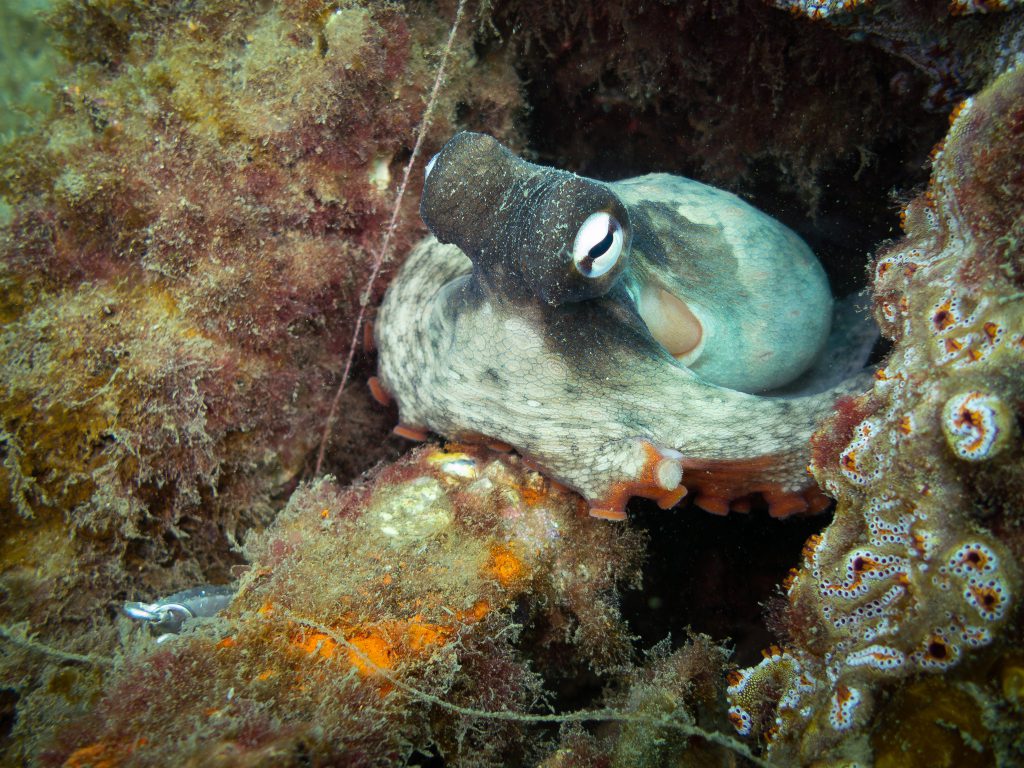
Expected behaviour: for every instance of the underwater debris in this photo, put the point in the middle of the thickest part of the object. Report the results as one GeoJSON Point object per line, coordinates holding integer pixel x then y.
{"type": "Point", "coordinates": [166, 618]}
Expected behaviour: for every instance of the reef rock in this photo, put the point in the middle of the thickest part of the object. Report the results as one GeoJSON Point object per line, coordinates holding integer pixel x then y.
{"type": "Point", "coordinates": [190, 232]}
{"type": "Point", "coordinates": [377, 620]}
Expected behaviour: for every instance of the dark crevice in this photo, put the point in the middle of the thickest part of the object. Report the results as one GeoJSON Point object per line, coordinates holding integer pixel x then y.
{"type": "Point", "coordinates": [713, 574]}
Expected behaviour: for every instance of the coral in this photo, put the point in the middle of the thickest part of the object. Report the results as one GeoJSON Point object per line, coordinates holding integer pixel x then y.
{"type": "Point", "coordinates": [918, 573]}
{"type": "Point", "coordinates": [943, 723]}
{"type": "Point", "coordinates": [357, 597]}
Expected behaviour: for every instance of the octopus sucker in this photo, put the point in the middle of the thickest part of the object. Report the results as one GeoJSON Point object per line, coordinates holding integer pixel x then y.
{"type": "Point", "coordinates": [636, 338]}
{"type": "Point", "coordinates": [378, 392]}
{"type": "Point", "coordinates": [416, 434]}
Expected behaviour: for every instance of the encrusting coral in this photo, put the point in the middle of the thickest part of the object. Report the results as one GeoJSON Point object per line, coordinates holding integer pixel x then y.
{"type": "Point", "coordinates": [919, 571]}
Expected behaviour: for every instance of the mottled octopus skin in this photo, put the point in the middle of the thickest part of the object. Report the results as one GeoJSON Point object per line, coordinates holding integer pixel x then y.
{"type": "Point", "coordinates": [496, 337]}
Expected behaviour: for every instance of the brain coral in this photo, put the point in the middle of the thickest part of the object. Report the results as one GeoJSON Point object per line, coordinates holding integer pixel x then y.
{"type": "Point", "coordinates": [919, 572]}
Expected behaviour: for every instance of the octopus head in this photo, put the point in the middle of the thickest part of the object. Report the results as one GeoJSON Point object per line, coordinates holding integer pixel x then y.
{"type": "Point", "coordinates": [530, 231]}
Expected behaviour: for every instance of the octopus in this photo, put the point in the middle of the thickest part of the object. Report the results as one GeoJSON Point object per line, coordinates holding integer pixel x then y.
{"type": "Point", "coordinates": [649, 337]}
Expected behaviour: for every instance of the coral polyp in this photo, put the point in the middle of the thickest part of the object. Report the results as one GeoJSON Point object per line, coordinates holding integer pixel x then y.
{"type": "Point", "coordinates": [978, 426]}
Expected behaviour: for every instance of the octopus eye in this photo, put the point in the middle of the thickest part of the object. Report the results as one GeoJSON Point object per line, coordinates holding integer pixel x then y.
{"type": "Point", "coordinates": [598, 245]}
{"type": "Point", "coordinates": [430, 166]}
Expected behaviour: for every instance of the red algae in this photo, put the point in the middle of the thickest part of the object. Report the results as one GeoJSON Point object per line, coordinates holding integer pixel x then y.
{"type": "Point", "coordinates": [190, 231]}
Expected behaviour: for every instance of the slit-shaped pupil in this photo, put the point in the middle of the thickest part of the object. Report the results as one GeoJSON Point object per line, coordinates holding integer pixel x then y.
{"type": "Point", "coordinates": [601, 247]}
